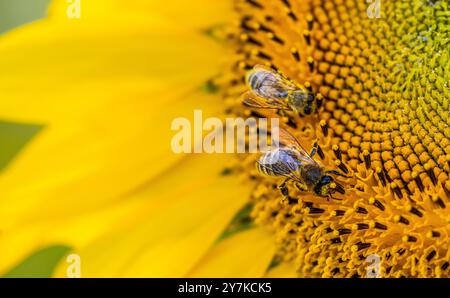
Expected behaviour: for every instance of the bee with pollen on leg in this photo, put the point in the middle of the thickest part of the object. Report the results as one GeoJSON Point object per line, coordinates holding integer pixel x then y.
{"type": "Point", "coordinates": [291, 161]}
{"type": "Point", "coordinates": [271, 90]}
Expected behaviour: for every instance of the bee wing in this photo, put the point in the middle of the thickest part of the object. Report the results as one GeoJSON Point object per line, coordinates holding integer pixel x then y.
{"type": "Point", "coordinates": [276, 80]}
{"type": "Point", "coordinates": [252, 100]}
{"type": "Point", "coordinates": [287, 140]}
{"type": "Point", "coordinates": [286, 169]}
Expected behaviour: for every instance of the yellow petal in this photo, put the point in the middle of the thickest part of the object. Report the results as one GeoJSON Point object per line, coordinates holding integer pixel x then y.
{"type": "Point", "coordinates": [77, 69]}
{"type": "Point", "coordinates": [245, 254]}
{"type": "Point", "coordinates": [101, 87]}
{"type": "Point", "coordinates": [22, 241]}
{"type": "Point", "coordinates": [186, 210]}
{"type": "Point", "coordinates": [108, 96]}
{"type": "Point", "coordinates": [196, 13]}
{"type": "Point", "coordinates": [71, 169]}
{"type": "Point", "coordinates": [283, 270]}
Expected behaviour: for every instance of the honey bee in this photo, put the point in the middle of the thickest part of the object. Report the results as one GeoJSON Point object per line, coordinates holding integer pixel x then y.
{"type": "Point", "coordinates": [290, 160]}
{"type": "Point", "coordinates": [270, 90]}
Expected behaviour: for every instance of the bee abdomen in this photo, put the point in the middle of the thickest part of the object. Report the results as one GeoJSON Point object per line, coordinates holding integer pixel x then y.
{"type": "Point", "coordinates": [266, 165]}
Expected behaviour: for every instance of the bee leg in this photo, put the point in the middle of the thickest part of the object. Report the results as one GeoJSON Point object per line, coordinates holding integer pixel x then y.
{"type": "Point", "coordinates": [315, 148]}
{"type": "Point", "coordinates": [337, 173]}
{"type": "Point", "coordinates": [283, 188]}
{"type": "Point", "coordinates": [301, 186]}
{"type": "Point", "coordinates": [282, 113]}
{"type": "Point", "coordinates": [339, 188]}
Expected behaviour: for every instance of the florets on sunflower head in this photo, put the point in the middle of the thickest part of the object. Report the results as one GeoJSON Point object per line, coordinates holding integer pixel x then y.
{"type": "Point", "coordinates": [385, 120]}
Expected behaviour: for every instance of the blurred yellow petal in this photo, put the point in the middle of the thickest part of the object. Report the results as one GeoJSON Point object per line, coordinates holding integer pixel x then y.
{"type": "Point", "coordinates": [101, 176]}
{"type": "Point", "coordinates": [78, 230]}
{"type": "Point", "coordinates": [245, 254]}
{"type": "Point", "coordinates": [283, 270]}
{"type": "Point", "coordinates": [184, 214]}
{"type": "Point", "coordinates": [196, 13]}
{"type": "Point", "coordinates": [109, 100]}
{"type": "Point", "coordinates": [74, 69]}
{"type": "Point", "coordinates": [71, 169]}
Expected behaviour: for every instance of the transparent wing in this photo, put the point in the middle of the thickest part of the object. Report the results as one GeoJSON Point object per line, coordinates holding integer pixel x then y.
{"type": "Point", "coordinates": [287, 140]}
{"type": "Point", "coordinates": [252, 100]}
{"type": "Point", "coordinates": [272, 85]}
{"type": "Point", "coordinates": [276, 79]}
{"type": "Point", "coordinates": [281, 172]}
{"type": "Point", "coordinates": [282, 167]}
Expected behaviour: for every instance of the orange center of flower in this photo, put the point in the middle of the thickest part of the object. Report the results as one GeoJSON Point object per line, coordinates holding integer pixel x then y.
{"type": "Point", "coordinates": [385, 121]}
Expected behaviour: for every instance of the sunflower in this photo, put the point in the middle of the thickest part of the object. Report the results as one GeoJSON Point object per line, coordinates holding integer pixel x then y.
{"type": "Point", "coordinates": [384, 74]}
{"type": "Point", "coordinates": [97, 174]}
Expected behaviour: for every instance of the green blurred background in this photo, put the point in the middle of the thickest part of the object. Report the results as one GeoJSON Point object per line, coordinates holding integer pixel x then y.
{"type": "Point", "coordinates": [14, 13]}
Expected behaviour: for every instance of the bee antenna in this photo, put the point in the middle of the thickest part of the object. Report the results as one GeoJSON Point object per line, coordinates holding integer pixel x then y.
{"type": "Point", "coordinates": [339, 188]}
